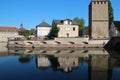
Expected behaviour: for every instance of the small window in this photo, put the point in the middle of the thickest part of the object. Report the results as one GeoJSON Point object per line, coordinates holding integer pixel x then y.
{"type": "Point", "coordinates": [104, 2]}
{"type": "Point", "coordinates": [67, 28]}
{"type": "Point", "coordinates": [73, 63]}
{"type": "Point", "coordinates": [97, 2]}
{"type": "Point", "coordinates": [73, 28]}
{"type": "Point", "coordinates": [68, 22]}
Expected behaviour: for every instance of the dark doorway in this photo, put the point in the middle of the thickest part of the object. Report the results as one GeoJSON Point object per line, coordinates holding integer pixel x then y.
{"type": "Point", "coordinates": [67, 35]}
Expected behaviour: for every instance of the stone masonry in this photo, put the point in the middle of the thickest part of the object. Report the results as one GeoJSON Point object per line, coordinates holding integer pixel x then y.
{"type": "Point", "coordinates": [98, 19]}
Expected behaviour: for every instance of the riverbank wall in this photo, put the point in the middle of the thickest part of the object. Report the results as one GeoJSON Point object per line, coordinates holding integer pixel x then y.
{"type": "Point", "coordinates": [59, 43]}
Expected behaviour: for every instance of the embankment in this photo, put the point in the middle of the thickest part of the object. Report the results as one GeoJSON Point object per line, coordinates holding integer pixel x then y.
{"type": "Point", "coordinates": [60, 43]}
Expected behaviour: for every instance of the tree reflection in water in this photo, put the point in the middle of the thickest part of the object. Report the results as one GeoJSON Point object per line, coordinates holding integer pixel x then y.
{"type": "Point", "coordinates": [24, 59]}
{"type": "Point", "coordinates": [87, 64]}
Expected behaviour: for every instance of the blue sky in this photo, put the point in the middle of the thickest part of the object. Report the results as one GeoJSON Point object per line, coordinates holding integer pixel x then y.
{"type": "Point", "coordinates": [32, 12]}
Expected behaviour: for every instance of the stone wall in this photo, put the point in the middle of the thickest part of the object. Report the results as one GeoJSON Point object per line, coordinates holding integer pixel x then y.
{"type": "Point", "coordinates": [68, 30]}
{"type": "Point", "coordinates": [60, 43]}
{"type": "Point", "coordinates": [99, 20]}
{"type": "Point", "coordinates": [75, 40]}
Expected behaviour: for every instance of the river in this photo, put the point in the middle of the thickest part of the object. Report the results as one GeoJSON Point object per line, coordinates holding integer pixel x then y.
{"type": "Point", "coordinates": [72, 64]}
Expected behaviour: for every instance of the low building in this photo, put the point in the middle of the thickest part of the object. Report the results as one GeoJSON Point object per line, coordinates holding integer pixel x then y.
{"type": "Point", "coordinates": [86, 32]}
{"type": "Point", "coordinates": [67, 28]}
{"type": "Point", "coordinates": [115, 29]}
{"type": "Point", "coordinates": [7, 32]}
{"type": "Point", "coordinates": [43, 29]}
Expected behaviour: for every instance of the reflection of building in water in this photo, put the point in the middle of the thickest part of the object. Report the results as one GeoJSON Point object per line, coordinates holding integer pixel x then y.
{"type": "Point", "coordinates": [67, 63]}
{"type": "Point", "coordinates": [98, 67]}
{"type": "Point", "coordinates": [3, 49]}
{"type": "Point", "coordinates": [43, 62]}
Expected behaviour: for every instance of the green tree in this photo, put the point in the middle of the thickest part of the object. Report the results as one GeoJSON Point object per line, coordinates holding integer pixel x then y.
{"type": "Point", "coordinates": [25, 33]}
{"type": "Point", "coordinates": [54, 31]}
{"type": "Point", "coordinates": [32, 31]}
{"type": "Point", "coordinates": [111, 13]}
{"type": "Point", "coordinates": [81, 24]}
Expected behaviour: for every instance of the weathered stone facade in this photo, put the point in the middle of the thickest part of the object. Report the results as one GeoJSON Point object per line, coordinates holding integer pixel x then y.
{"type": "Point", "coordinates": [8, 32]}
{"type": "Point", "coordinates": [67, 28]}
{"type": "Point", "coordinates": [98, 19]}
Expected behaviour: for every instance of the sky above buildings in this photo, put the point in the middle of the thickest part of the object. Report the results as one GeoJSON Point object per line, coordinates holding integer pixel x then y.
{"type": "Point", "coordinates": [31, 12]}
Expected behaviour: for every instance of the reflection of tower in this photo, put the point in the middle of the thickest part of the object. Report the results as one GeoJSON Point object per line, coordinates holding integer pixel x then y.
{"type": "Point", "coordinates": [98, 67]}
{"type": "Point", "coordinates": [98, 19]}
{"type": "Point", "coordinates": [67, 63]}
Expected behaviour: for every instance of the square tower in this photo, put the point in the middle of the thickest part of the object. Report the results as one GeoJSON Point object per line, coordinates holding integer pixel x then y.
{"type": "Point", "coordinates": [98, 19]}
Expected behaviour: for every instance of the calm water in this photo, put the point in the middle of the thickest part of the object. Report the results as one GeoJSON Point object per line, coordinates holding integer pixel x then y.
{"type": "Point", "coordinates": [59, 65]}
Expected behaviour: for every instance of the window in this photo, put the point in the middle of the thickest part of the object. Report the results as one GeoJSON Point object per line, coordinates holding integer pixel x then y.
{"type": "Point", "coordinates": [104, 2]}
{"type": "Point", "coordinates": [73, 28]}
{"type": "Point", "coordinates": [67, 35]}
{"type": "Point", "coordinates": [68, 22]}
{"type": "Point", "coordinates": [67, 29]}
{"type": "Point", "coordinates": [97, 2]}
{"type": "Point", "coordinates": [73, 63]}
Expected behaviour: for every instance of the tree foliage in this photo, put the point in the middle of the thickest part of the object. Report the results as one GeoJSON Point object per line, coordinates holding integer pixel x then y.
{"type": "Point", "coordinates": [24, 59]}
{"type": "Point", "coordinates": [32, 31]}
{"type": "Point", "coordinates": [27, 33]}
{"type": "Point", "coordinates": [54, 31]}
{"type": "Point", "coordinates": [81, 24]}
{"type": "Point", "coordinates": [111, 13]}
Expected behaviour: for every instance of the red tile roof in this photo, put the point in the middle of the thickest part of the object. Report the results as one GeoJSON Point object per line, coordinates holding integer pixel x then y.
{"type": "Point", "coordinates": [8, 29]}
{"type": "Point", "coordinates": [22, 29]}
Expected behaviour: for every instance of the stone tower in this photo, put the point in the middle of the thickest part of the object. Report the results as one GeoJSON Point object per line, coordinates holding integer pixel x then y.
{"type": "Point", "coordinates": [98, 19]}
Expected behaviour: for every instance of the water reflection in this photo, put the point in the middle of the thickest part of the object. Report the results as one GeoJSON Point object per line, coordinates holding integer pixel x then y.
{"type": "Point", "coordinates": [43, 62]}
{"type": "Point", "coordinates": [77, 64]}
{"type": "Point", "coordinates": [98, 67]}
{"type": "Point", "coordinates": [24, 58]}
{"type": "Point", "coordinates": [67, 64]}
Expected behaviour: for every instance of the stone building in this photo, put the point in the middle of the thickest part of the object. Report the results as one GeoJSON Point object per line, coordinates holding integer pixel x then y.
{"type": "Point", "coordinates": [67, 28]}
{"type": "Point", "coordinates": [115, 29]}
{"type": "Point", "coordinates": [43, 29]}
{"type": "Point", "coordinates": [8, 32]}
{"type": "Point", "coordinates": [99, 19]}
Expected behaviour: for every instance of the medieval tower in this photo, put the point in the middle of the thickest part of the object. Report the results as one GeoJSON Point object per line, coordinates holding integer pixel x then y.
{"type": "Point", "coordinates": [98, 19]}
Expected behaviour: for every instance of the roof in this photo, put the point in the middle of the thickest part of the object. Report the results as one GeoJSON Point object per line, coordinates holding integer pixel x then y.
{"type": "Point", "coordinates": [117, 24]}
{"type": "Point", "coordinates": [8, 29]}
{"type": "Point", "coordinates": [44, 24]}
{"type": "Point", "coordinates": [22, 29]}
{"type": "Point", "coordinates": [61, 21]}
